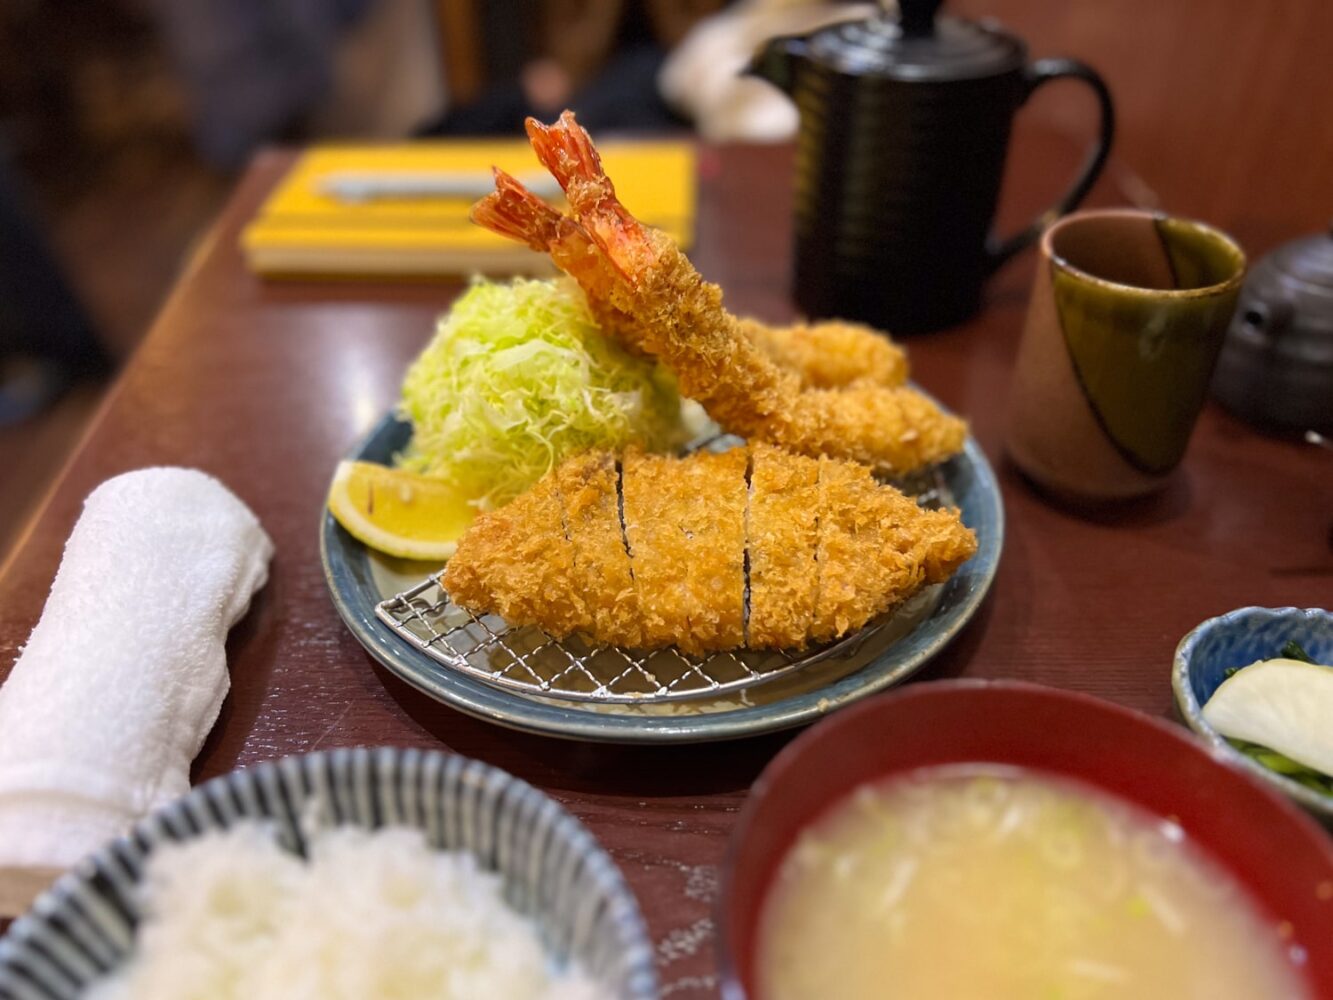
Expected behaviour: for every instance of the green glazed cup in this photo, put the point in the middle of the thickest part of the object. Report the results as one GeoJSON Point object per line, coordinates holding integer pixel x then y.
{"type": "Point", "coordinates": [1127, 317]}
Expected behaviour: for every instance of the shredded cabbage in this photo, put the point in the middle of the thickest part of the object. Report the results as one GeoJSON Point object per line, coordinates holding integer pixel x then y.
{"type": "Point", "coordinates": [519, 376]}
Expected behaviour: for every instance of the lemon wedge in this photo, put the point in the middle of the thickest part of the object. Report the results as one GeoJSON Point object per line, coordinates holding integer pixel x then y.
{"type": "Point", "coordinates": [399, 513]}
{"type": "Point", "coordinates": [1285, 705]}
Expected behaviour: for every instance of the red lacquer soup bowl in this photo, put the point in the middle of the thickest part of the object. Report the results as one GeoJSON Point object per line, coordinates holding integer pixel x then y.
{"type": "Point", "coordinates": [1272, 848]}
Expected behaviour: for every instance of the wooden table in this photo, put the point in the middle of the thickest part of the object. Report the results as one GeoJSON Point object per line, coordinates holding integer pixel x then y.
{"type": "Point", "coordinates": [266, 385]}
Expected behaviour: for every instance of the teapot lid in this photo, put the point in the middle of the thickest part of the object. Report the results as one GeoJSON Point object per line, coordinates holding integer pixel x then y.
{"type": "Point", "coordinates": [918, 45]}
{"type": "Point", "coordinates": [1309, 260]}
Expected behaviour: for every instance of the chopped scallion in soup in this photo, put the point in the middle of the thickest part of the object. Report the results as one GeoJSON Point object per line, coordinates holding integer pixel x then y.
{"type": "Point", "coordinates": [982, 883]}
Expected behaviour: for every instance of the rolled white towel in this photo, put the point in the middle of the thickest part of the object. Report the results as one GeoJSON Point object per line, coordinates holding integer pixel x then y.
{"type": "Point", "coordinates": [125, 673]}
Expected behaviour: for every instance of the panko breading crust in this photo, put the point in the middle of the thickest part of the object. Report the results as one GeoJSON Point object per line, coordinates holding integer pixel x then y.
{"type": "Point", "coordinates": [829, 548]}
{"type": "Point", "coordinates": [517, 563]}
{"type": "Point", "coordinates": [831, 354]}
{"type": "Point", "coordinates": [714, 556]}
{"type": "Point", "coordinates": [783, 537]}
{"type": "Point", "coordinates": [652, 526]}
{"type": "Point", "coordinates": [685, 522]}
{"type": "Point", "coordinates": [588, 486]}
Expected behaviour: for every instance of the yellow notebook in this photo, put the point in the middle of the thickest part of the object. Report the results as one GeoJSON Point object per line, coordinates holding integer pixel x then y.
{"type": "Point", "coordinates": [402, 210]}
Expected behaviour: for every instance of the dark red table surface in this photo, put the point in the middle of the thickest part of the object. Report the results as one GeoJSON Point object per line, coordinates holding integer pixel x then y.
{"type": "Point", "coordinates": [266, 385]}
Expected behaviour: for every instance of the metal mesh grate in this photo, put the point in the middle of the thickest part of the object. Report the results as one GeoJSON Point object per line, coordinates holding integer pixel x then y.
{"type": "Point", "coordinates": [528, 661]}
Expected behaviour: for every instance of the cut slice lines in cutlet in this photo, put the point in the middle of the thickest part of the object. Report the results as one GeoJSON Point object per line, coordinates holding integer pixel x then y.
{"type": "Point", "coordinates": [685, 526]}
{"type": "Point", "coordinates": [518, 563]}
{"type": "Point", "coordinates": [656, 553]}
{"type": "Point", "coordinates": [715, 564]}
{"type": "Point", "coordinates": [589, 489]}
{"type": "Point", "coordinates": [652, 537]}
{"type": "Point", "coordinates": [783, 543]}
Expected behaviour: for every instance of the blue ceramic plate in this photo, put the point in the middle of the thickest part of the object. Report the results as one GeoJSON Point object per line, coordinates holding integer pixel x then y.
{"type": "Point", "coordinates": [1237, 639]}
{"type": "Point", "coordinates": [551, 868]}
{"type": "Point", "coordinates": [359, 579]}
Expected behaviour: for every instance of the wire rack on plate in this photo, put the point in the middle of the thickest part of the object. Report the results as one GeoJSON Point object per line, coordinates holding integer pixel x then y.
{"type": "Point", "coordinates": [528, 661]}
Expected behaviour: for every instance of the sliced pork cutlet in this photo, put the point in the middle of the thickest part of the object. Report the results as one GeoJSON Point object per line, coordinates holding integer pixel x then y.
{"type": "Point", "coordinates": [714, 559]}
{"type": "Point", "coordinates": [651, 502]}
{"type": "Point", "coordinates": [663, 561]}
{"type": "Point", "coordinates": [783, 536]}
{"type": "Point", "coordinates": [877, 548]}
{"type": "Point", "coordinates": [518, 563]}
{"type": "Point", "coordinates": [936, 540]}
{"type": "Point", "coordinates": [589, 488]}
{"type": "Point", "coordinates": [685, 528]}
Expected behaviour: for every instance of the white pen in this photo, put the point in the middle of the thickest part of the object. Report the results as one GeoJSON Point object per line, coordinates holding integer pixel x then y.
{"type": "Point", "coordinates": [360, 186]}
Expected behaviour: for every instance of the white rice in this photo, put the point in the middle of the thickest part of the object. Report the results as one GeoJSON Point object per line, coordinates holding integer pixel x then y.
{"type": "Point", "coordinates": [371, 916]}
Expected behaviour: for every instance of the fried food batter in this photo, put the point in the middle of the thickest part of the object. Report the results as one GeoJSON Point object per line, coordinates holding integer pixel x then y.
{"type": "Point", "coordinates": [649, 289]}
{"type": "Point", "coordinates": [518, 563]}
{"type": "Point", "coordinates": [827, 547]}
{"type": "Point", "coordinates": [685, 523]}
{"type": "Point", "coordinates": [588, 486]}
{"type": "Point", "coordinates": [851, 587]}
{"type": "Point", "coordinates": [832, 354]}
{"type": "Point", "coordinates": [782, 536]}
{"type": "Point", "coordinates": [877, 547]}
{"type": "Point", "coordinates": [652, 512]}
{"type": "Point", "coordinates": [892, 430]}
{"type": "Point", "coordinates": [714, 555]}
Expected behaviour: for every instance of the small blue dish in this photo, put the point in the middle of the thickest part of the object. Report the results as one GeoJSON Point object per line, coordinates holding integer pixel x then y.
{"type": "Point", "coordinates": [1237, 639]}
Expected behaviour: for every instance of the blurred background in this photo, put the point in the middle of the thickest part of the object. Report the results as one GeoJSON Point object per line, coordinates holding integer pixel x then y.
{"type": "Point", "coordinates": [125, 123]}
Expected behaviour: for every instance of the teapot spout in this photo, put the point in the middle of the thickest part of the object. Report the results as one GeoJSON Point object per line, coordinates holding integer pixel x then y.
{"type": "Point", "coordinates": [777, 61]}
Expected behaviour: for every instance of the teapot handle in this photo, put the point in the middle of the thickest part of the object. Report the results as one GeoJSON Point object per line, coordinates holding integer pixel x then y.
{"type": "Point", "coordinates": [1044, 71]}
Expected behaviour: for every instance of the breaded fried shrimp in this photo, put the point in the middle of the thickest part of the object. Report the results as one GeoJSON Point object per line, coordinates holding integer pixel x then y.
{"type": "Point", "coordinates": [830, 354]}
{"type": "Point", "coordinates": [649, 288]}
{"type": "Point", "coordinates": [821, 355]}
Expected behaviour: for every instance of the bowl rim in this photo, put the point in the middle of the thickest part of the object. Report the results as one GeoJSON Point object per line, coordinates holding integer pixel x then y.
{"type": "Point", "coordinates": [729, 981]}
{"type": "Point", "coordinates": [1226, 286]}
{"type": "Point", "coordinates": [1192, 712]}
{"type": "Point", "coordinates": [147, 833]}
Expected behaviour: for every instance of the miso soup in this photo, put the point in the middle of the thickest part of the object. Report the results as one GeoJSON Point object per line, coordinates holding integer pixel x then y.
{"type": "Point", "coordinates": [982, 883]}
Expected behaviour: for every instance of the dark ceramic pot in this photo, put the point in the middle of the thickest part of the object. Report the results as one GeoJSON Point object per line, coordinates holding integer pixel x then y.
{"type": "Point", "coordinates": [904, 127]}
{"type": "Point", "coordinates": [1276, 368]}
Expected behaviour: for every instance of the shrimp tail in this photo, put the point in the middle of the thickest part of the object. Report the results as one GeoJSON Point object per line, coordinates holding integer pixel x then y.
{"type": "Point", "coordinates": [566, 150]}
{"type": "Point", "coordinates": [516, 213]}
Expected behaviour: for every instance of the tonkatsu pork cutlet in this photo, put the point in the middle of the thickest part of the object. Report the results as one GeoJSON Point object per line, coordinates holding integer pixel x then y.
{"type": "Point", "coordinates": [828, 548]}
{"type": "Point", "coordinates": [782, 536]}
{"type": "Point", "coordinates": [685, 526]}
{"type": "Point", "coordinates": [913, 547]}
{"type": "Point", "coordinates": [589, 487]}
{"type": "Point", "coordinates": [519, 564]}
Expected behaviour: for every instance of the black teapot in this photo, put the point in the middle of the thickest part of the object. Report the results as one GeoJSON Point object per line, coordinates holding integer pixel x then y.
{"type": "Point", "coordinates": [905, 122]}
{"type": "Point", "coordinates": [1276, 367]}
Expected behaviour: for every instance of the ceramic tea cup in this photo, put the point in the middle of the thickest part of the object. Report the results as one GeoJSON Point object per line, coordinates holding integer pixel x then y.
{"type": "Point", "coordinates": [1127, 316]}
